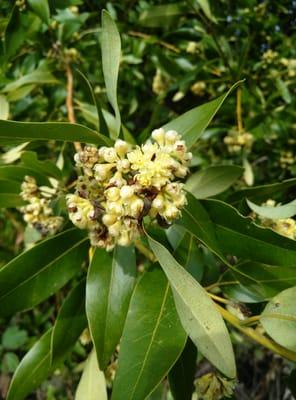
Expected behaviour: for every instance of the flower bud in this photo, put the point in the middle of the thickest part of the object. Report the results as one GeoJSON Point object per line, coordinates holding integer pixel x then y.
{"type": "Point", "coordinates": [114, 208]}
{"type": "Point", "coordinates": [109, 154]}
{"type": "Point", "coordinates": [158, 202]}
{"type": "Point", "coordinates": [181, 172]}
{"type": "Point", "coordinates": [102, 171]}
{"type": "Point", "coordinates": [158, 135]}
{"type": "Point", "coordinates": [124, 239]}
{"type": "Point", "coordinates": [109, 219]}
{"type": "Point", "coordinates": [112, 194]}
{"type": "Point", "coordinates": [121, 147]}
{"type": "Point", "coordinates": [115, 229]}
{"type": "Point", "coordinates": [171, 136]}
{"type": "Point", "coordinates": [126, 192]}
{"type": "Point", "coordinates": [136, 207]}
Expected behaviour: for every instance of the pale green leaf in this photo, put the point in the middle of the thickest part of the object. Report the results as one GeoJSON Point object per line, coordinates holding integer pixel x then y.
{"type": "Point", "coordinates": [92, 385]}
{"type": "Point", "coordinates": [199, 316]}
{"type": "Point", "coordinates": [111, 52]}
{"type": "Point", "coordinates": [40, 8]}
{"type": "Point", "coordinates": [279, 212]}
{"type": "Point", "coordinates": [279, 318]}
{"type": "Point", "coordinates": [4, 107]}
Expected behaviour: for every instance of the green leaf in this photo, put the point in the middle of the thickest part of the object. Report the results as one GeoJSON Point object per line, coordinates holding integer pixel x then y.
{"type": "Point", "coordinates": [29, 158]}
{"type": "Point", "coordinates": [40, 8]}
{"type": "Point", "coordinates": [213, 180]}
{"type": "Point", "coordinates": [279, 318]}
{"type": "Point", "coordinates": [205, 6]}
{"type": "Point", "coordinates": [39, 76]}
{"type": "Point", "coordinates": [9, 362]}
{"type": "Point", "coordinates": [188, 254]}
{"type": "Point", "coordinates": [13, 338]}
{"type": "Point", "coordinates": [32, 370]}
{"type": "Point", "coordinates": [162, 15]}
{"type": "Point", "coordinates": [152, 339]}
{"type": "Point", "coordinates": [240, 236]}
{"type": "Point", "coordinates": [182, 375]}
{"type": "Point", "coordinates": [92, 385]}
{"type": "Point", "coordinates": [18, 173]}
{"type": "Point", "coordinates": [111, 52]}
{"type": "Point", "coordinates": [198, 314]}
{"type": "Point", "coordinates": [97, 111]}
{"type": "Point", "coordinates": [283, 90]}
{"type": "Point", "coordinates": [253, 282]}
{"type": "Point", "coordinates": [110, 283]}
{"type": "Point", "coordinates": [50, 131]}
{"type": "Point", "coordinates": [193, 123]}
{"type": "Point", "coordinates": [41, 271]}
{"type": "Point", "coordinates": [11, 200]}
{"type": "Point", "coordinates": [263, 192]}
{"type": "Point", "coordinates": [279, 212]}
{"type": "Point", "coordinates": [9, 186]}
{"type": "Point", "coordinates": [196, 220]}
{"type": "Point", "coordinates": [27, 25]}
{"type": "Point", "coordinates": [4, 107]}
{"type": "Point", "coordinates": [70, 322]}
{"type": "Point", "coordinates": [19, 93]}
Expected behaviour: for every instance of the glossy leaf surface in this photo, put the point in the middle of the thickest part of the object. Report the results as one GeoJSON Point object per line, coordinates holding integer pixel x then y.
{"type": "Point", "coordinates": [182, 374]}
{"type": "Point", "coordinates": [110, 282]}
{"type": "Point", "coordinates": [50, 131]}
{"type": "Point", "coordinates": [111, 51]}
{"type": "Point", "coordinates": [152, 340]}
{"type": "Point", "coordinates": [70, 322]}
{"type": "Point", "coordinates": [41, 271]}
{"type": "Point", "coordinates": [212, 180]}
{"type": "Point", "coordinates": [193, 123]}
{"type": "Point", "coordinates": [238, 235]}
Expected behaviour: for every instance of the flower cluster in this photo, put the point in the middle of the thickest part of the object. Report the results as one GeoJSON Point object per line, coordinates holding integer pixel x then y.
{"type": "Point", "coordinates": [237, 141]}
{"type": "Point", "coordinates": [213, 386]}
{"type": "Point", "coordinates": [285, 227]}
{"type": "Point", "coordinates": [120, 185]}
{"type": "Point", "coordinates": [38, 213]}
{"type": "Point", "coordinates": [287, 159]}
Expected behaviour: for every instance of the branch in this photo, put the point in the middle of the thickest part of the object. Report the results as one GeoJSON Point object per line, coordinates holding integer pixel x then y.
{"type": "Point", "coordinates": [69, 101]}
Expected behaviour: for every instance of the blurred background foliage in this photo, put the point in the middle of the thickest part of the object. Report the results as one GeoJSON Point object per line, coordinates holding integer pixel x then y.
{"type": "Point", "coordinates": [175, 56]}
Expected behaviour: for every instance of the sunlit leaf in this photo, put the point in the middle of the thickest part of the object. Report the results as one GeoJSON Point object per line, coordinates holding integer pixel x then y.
{"type": "Point", "coordinates": [199, 316]}
{"type": "Point", "coordinates": [111, 51]}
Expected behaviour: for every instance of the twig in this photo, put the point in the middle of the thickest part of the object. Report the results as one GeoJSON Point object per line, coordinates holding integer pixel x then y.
{"type": "Point", "coordinates": [219, 299]}
{"type": "Point", "coordinates": [69, 101]}
{"type": "Point", "coordinates": [161, 42]}
{"type": "Point", "coordinates": [257, 337]}
{"type": "Point", "coordinates": [146, 252]}
{"type": "Point", "coordinates": [239, 110]}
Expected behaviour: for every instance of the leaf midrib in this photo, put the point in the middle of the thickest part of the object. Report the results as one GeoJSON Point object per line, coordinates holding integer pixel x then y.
{"type": "Point", "coordinates": [151, 341]}
{"type": "Point", "coordinates": [44, 268]}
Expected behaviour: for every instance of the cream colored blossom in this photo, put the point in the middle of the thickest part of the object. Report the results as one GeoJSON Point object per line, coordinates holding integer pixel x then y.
{"type": "Point", "coordinates": [285, 226]}
{"type": "Point", "coordinates": [120, 185]}
{"type": "Point", "coordinates": [38, 213]}
{"type": "Point", "coordinates": [237, 141]}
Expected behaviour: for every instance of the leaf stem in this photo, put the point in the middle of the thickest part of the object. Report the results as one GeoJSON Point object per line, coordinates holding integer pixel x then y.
{"type": "Point", "coordinates": [69, 101]}
{"type": "Point", "coordinates": [219, 299]}
{"type": "Point", "coordinates": [239, 110]}
{"type": "Point", "coordinates": [145, 36]}
{"type": "Point", "coordinates": [257, 337]}
{"type": "Point", "coordinates": [145, 251]}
